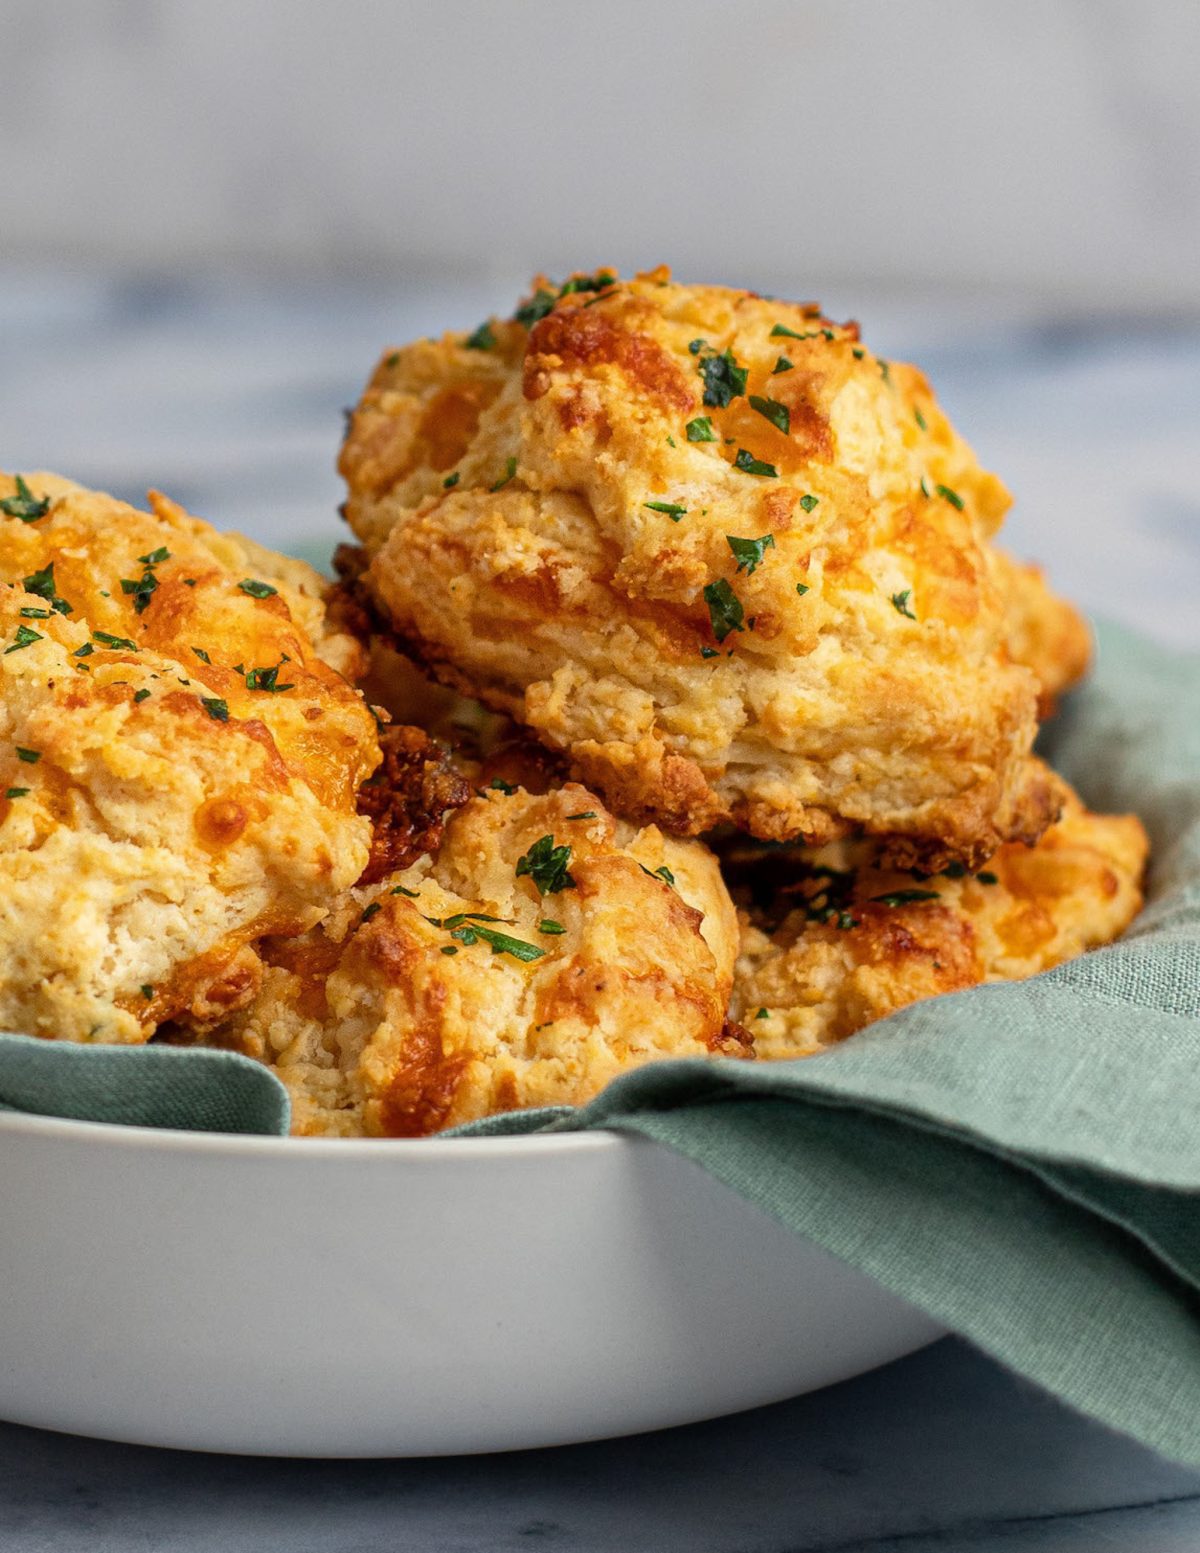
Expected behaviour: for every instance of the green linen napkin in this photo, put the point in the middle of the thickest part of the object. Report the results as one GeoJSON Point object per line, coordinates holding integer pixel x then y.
{"type": "Point", "coordinates": [1021, 1161]}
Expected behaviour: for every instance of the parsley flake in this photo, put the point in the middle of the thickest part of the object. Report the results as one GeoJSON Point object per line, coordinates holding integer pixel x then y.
{"type": "Point", "coordinates": [546, 865]}
{"type": "Point", "coordinates": [17, 792]}
{"type": "Point", "coordinates": [31, 612]}
{"type": "Point", "coordinates": [900, 604]}
{"type": "Point", "coordinates": [501, 786]}
{"type": "Point", "coordinates": [216, 708]}
{"type": "Point", "coordinates": [919, 418]}
{"type": "Point", "coordinates": [401, 889]}
{"type": "Point", "coordinates": [140, 590]}
{"type": "Point", "coordinates": [451, 481]}
{"type": "Point", "coordinates": [724, 609]}
{"type": "Point", "coordinates": [952, 497]}
{"type": "Point", "coordinates": [202, 655]}
{"type": "Point", "coordinates": [749, 553]}
{"type": "Point", "coordinates": [782, 332]}
{"type": "Point", "coordinates": [265, 679]}
{"type": "Point", "coordinates": [116, 643]}
{"type": "Point", "coordinates": [700, 430]}
{"type": "Point", "coordinates": [372, 910]}
{"type": "Point", "coordinates": [549, 926]}
{"type": "Point", "coordinates": [147, 991]}
{"type": "Point", "coordinates": [25, 505]}
{"type": "Point", "coordinates": [763, 1013]}
{"type": "Point", "coordinates": [723, 379]}
{"type": "Point", "coordinates": [30, 757]}
{"type": "Point", "coordinates": [773, 411]}
{"type": "Point", "coordinates": [140, 695]}
{"type": "Point", "coordinates": [482, 339]}
{"type": "Point", "coordinates": [501, 943]}
{"type": "Point", "coordinates": [802, 588]}
{"type": "Point", "coordinates": [510, 469]}
{"type": "Point", "coordinates": [42, 584]}
{"type": "Point", "coordinates": [155, 557]}
{"type": "Point", "coordinates": [672, 509]}
{"type": "Point", "coordinates": [25, 637]}
{"type": "Point", "coordinates": [256, 589]}
{"type": "Point", "coordinates": [986, 877]}
{"type": "Point", "coordinates": [809, 502]}
{"type": "Point", "coordinates": [587, 814]}
{"type": "Point", "coordinates": [750, 465]}
{"type": "Point", "coordinates": [709, 652]}
{"type": "Point", "coordinates": [449, 949]}
{"type": "Point", "coordinates": [696, 346]}
{"type": "Point", "coordinates": [782, 364]}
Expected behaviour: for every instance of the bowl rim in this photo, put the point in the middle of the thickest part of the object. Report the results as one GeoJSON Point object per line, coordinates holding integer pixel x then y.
{"type": "Point", "coordinates": [132, 1136]}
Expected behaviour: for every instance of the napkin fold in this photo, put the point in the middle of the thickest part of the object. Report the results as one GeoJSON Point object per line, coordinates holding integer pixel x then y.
{"type": "Point", "coordinates": [1022, 1161]}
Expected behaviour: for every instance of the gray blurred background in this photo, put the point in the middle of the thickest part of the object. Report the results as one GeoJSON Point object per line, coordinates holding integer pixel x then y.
{"type": "Point", "coordinates": [217, 213]}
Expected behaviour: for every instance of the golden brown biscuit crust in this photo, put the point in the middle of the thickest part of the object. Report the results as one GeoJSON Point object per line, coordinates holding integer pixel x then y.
{"type": "Point", "coordinates": [832, 940]}
{"type": "Point", "coordinates": [765, 598]}
{"type": "Point", "coordinates": [401, 1016]}
{"type": "Point", "coordinates": [165, 806]}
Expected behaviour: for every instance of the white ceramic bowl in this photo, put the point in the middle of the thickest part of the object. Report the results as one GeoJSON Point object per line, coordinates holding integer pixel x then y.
{"type": "Point", "coordinates": [315, 1298]}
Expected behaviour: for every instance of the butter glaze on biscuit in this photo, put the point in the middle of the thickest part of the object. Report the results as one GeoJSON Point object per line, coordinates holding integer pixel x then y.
{"type": "Point", "coordinates": [707, 544]}
{"type": "Point", "coordinates": [179, 762]}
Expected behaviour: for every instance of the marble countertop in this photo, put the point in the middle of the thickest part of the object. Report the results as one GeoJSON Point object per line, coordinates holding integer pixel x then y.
{"type": "Point", "coordinates": [227, 396]}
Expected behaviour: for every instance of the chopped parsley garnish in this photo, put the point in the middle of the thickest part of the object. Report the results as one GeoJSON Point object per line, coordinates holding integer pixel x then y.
{"type": "Point", "coordinates": [586, 814]}
{"type": "Point", "coordinates": [401, 889]}
{"type": "Point", "coordinates": [600, 281]}
{"type": "Point", "coordinates": [42, 584]}
{"type": "Point", "coordinates": [140, 695]}
{"type": "Point", "coordinates": [750, 465]}
{"type": "Point", "coordinates": [723, 379]}
{"type": "Point", "coordinates": [885, 371]}
{"type": "Point", "coordinates": [451, 481]}
{"type": "Point", "coordinates": [85, 651]}
{"type": "Point", "coordinates": [147, 991]}
{"type": "Point", "coordinates": [25, 637]}
{"type": "Point", "coordinates": [700, 430]}
{"type": "Point", "coordinates": [536, 308]}
{"type": "Point", "coordinates": [709, 652]}
{"type": "Point", "coordinates": [665, 873]}
{"type": "Point", "coordinates": [781, 332]}
{"type": "Point", "coordinates": [952, 497]}
{"type": "Point", "coordinates": [802, 588]}
{"type": "Point", "coordinates": [449, 949]}
{"type": "Point", "coordinates": [393, 360]}
{"type": "Point", "coordinates": [140, 590]}
{"type": "Point", "coordinates": [696, 346]}
{"type": "Point", "coordinates": [31, 612]}
{"type": "Point", "coordinates": [986, 877]}
{"type": "Point", "coordinates": [546, 865]}
{"type": "Point", "coordinates": [724, 609]}
{"type": "Point", "coordinates": [217, 709]}
{"type": "Point", "coordinates": [763, 1013]}
{"type": "Point", "coordinates": [924, 488]}
{"type": "Point", "coordinates": [919, 418]}
{"type": "Point", "coordinates": [17, 792]}
{"type": "Point", "coordinates": [548, 925]}
{"type": "Point", "coordinates": [501, 786]}
{"type": "Point", "coordinates": [267, 679]}
{"type": "Point", "coordinates": [773, 411]}
{"type": "Point", "coordinates": [106, 639]}
{"type": "Point", "coordinates": [900, 603]}
{"type": "Point", "coordinates": [858, 353]}
{"type": "Point", "coordinates": [905, 897]}
{"type": "Point", "coordinates": [372, 910]}
{"type": "Point", "coordinates": [25, 505]}
{"type": "Point", "coordinates": [30, 757]}
{"type": "Point", "coordinates": [671, 442]}
{"type": "Point", "coordinates": [501, 943]}
{"type": "Point", "coordinates": [155, 557]}
{"type": "Point", "coordinates": [782, 364]}
{"type": "Point", "coordinates": [189, 582]}
{"type": "Point", "coordinates": [482, 339]}
{"type": "Point", "coordinates": [672, 509]}
{"type": "Point", "coordinates": [202, 655]}
{"type": "Point", "coordinates": [749, 553]}
{"type": "Point", "coordinates": [256, 589]}
{"type": "Point", "coordinates": [510, 469]}
{"type": "Point", "coordinates": [809, 502]}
